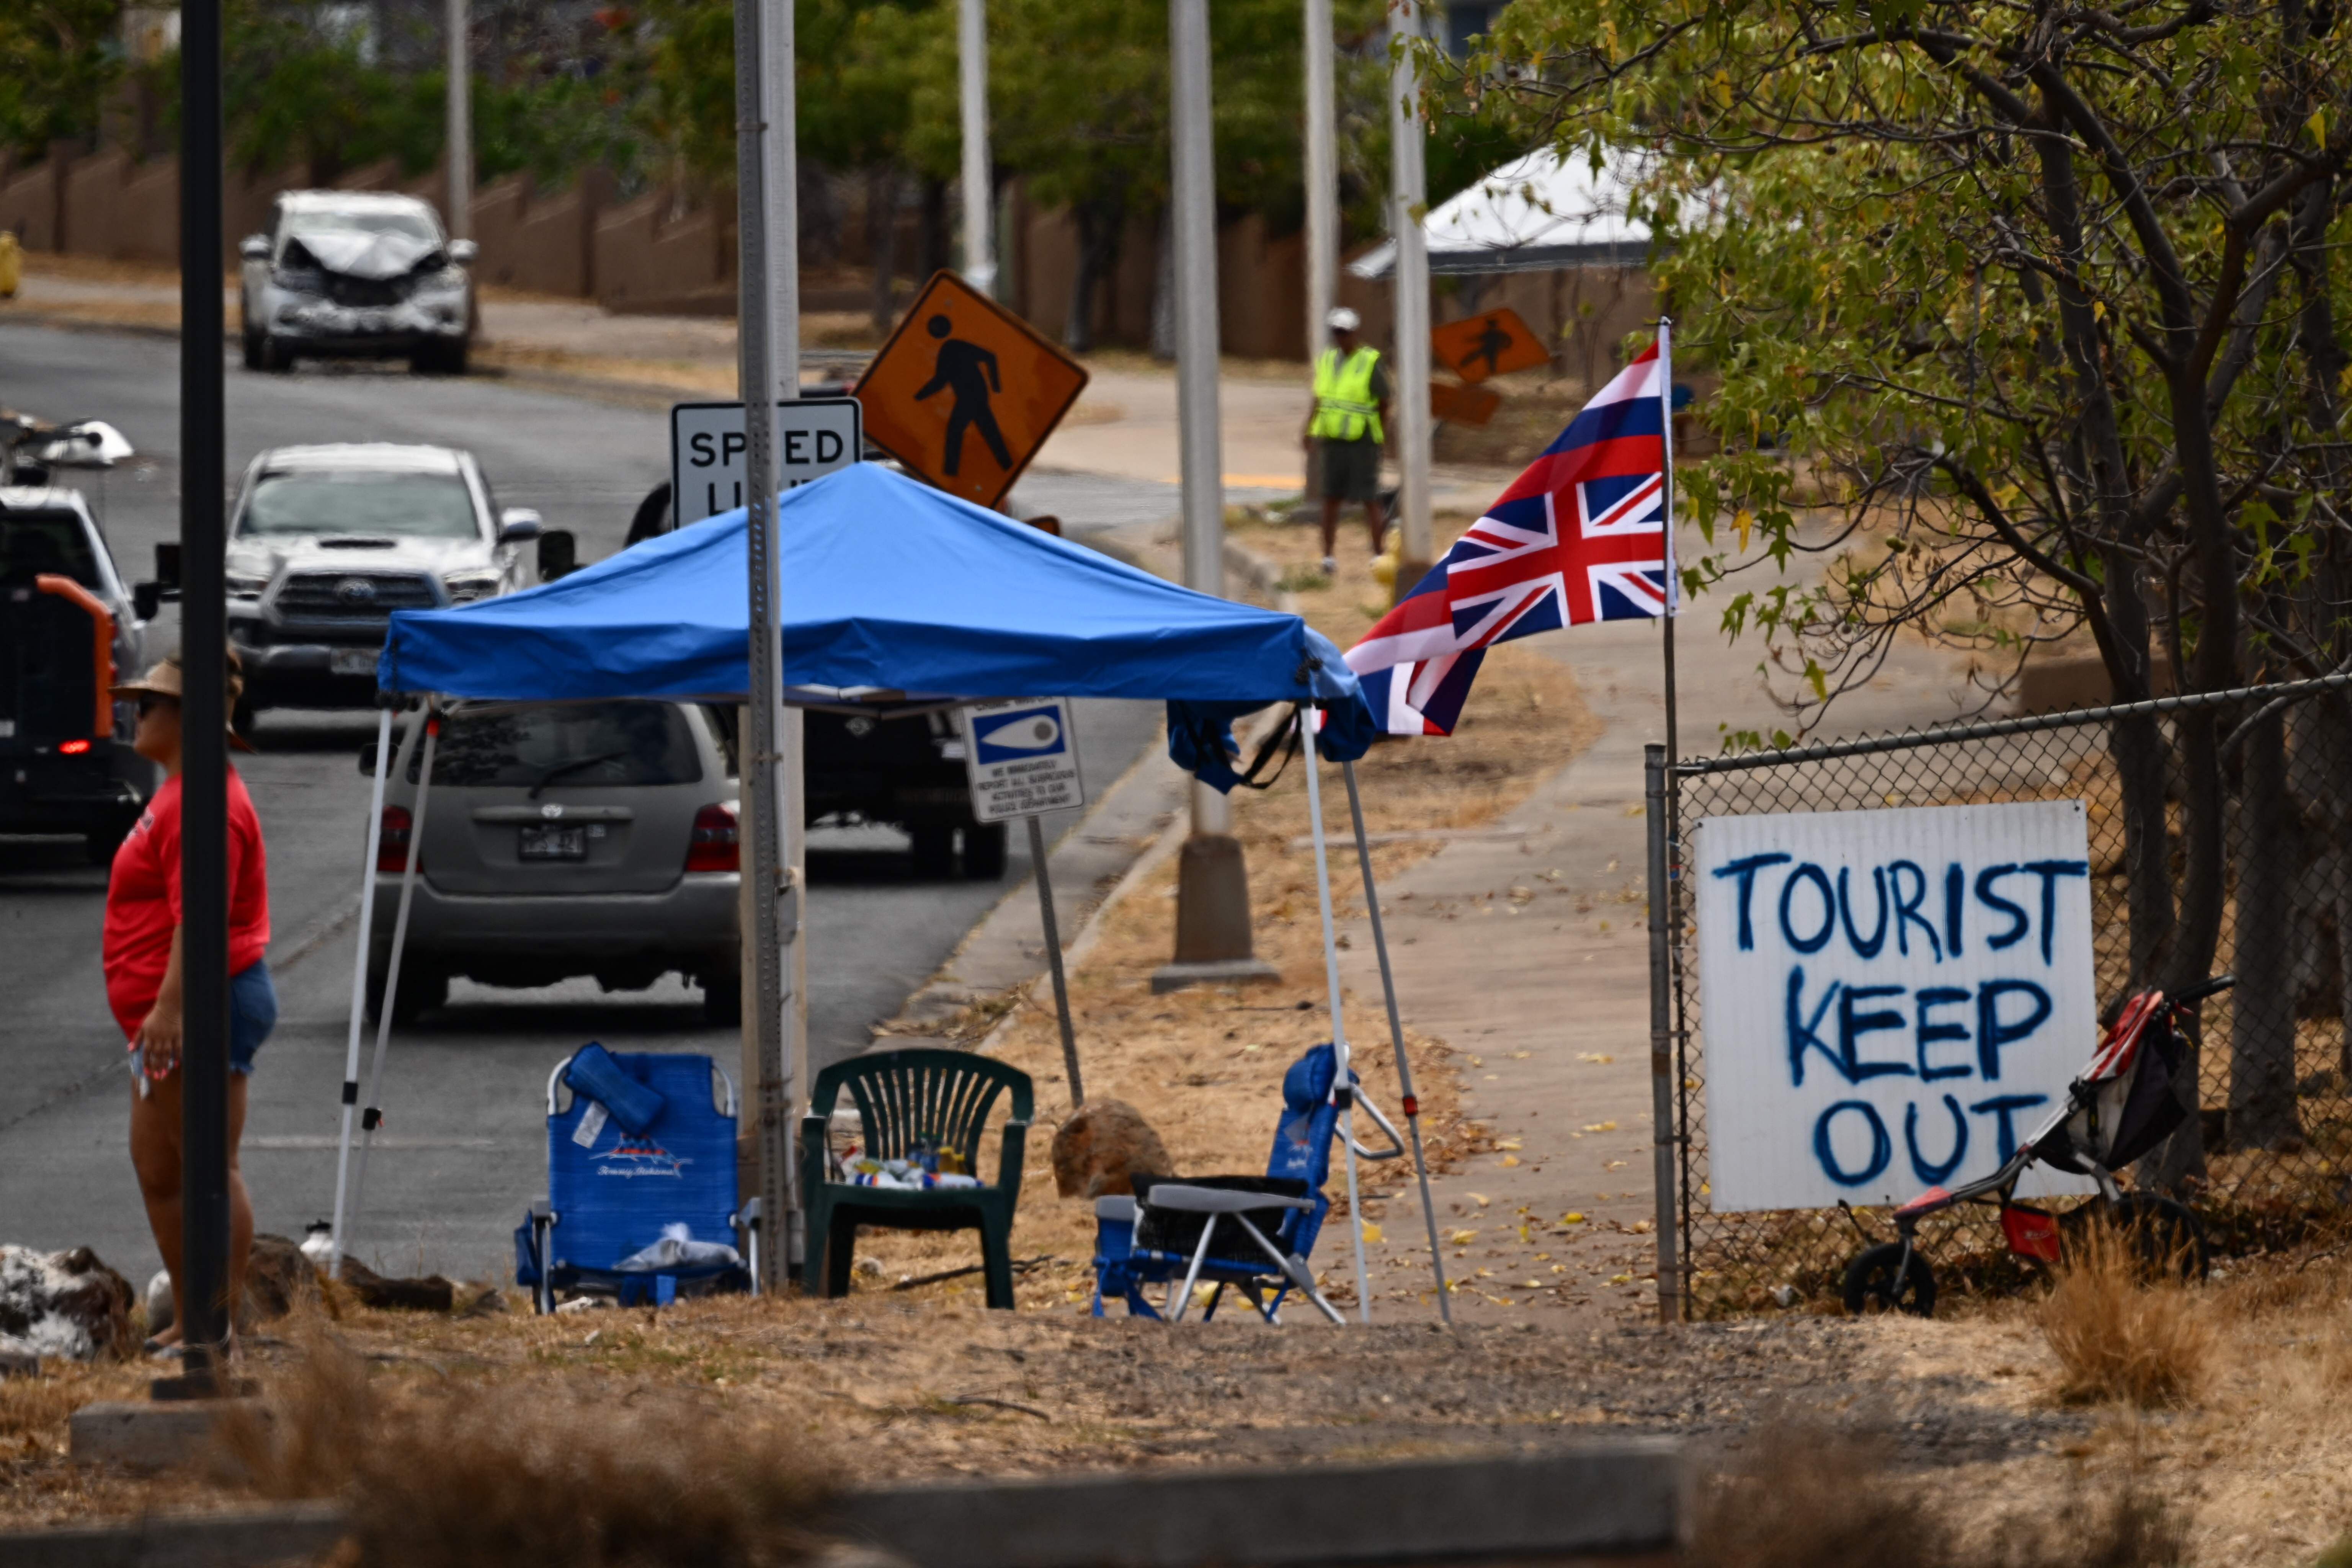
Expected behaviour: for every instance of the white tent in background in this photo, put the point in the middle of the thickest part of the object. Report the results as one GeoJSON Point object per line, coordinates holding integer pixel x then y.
{"type": "Point", "coordinates": [1545, 211]}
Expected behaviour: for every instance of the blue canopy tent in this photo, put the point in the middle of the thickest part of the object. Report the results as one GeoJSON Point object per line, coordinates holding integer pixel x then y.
{"type": "Point", "coordinates": [891, 592]}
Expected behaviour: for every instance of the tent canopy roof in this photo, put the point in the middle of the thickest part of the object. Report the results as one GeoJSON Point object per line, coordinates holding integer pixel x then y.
{"type": "Point", "coordinates": [888, 588]}
{"type": "Point", "coordinates": [1543, 211]}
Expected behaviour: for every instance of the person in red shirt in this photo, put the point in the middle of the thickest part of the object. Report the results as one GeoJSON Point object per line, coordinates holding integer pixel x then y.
{"type": "Point", "coordinates": [143, 959]}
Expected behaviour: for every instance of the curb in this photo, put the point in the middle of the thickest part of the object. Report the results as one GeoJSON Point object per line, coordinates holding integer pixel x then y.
{"type": "Point", "coordinates": [1622, 1501]}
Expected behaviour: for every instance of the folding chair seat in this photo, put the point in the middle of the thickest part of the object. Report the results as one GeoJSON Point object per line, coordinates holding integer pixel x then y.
{"type": "Point", "coordinates": [1252, 1232]}
{"type": "Point", "coordinates": [639, 1145]}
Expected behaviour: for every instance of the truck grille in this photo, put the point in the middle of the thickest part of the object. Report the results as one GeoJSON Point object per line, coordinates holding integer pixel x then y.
{"type": "Point", "coordinates": [353, 598]}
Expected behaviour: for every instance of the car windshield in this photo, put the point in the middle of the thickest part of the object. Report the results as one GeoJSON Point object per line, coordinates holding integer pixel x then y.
{"type": "Point", "coordinates": [380, 505]}
{"type": "Point", "coordinates": [414, 225]}
{"type": "Point", "coordinates": [45, 543]}
{"type": "Point", "coordinates": [567, 745]}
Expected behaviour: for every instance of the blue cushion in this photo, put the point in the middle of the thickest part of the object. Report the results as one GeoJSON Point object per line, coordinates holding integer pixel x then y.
{"type": "Point", "coordinates": [1308, 1082]}
{"type": "Point", "coordinates": [596, 1073]}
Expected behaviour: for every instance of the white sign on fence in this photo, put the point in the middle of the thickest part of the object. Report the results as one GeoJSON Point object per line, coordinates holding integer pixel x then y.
{"type": "Point", "coordinates": [814, 435]}
{"type": "Point", "coordinates": [1890, 1000]}
{"type": "Point", "coordinates": [1023, 758]}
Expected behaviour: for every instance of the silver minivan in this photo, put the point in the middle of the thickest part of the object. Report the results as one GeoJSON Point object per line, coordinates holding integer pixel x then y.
{"type": "Point", "coordinates": [563, 839]}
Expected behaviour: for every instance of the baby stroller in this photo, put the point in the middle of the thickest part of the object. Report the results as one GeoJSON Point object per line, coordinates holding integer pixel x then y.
{"type": "Point", "coordinates": [2125, 1103]}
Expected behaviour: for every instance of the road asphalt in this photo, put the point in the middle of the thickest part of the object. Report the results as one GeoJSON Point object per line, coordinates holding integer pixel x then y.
{"type": "Point", "coordinates": [464, 1147]}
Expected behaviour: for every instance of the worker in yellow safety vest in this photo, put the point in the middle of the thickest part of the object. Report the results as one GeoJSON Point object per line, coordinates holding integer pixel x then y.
{"type": "Point", "coordinates": [1350, 421]}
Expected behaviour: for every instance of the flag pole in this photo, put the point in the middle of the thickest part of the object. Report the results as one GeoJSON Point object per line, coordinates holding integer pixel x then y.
{"type": "Point", "coordinates": [1673, 586]}
{"type": "Point", "coordinates": [1665, 838]}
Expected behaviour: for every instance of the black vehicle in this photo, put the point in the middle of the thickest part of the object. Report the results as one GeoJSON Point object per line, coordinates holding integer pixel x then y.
{"type": "Point", "coordinates": [67, 626]}
{"type": "Point", "coordinates": [905, 769]}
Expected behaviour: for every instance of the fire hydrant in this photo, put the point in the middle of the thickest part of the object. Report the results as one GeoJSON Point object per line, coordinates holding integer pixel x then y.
{"type": "Point", "coordinates": [11, 264]}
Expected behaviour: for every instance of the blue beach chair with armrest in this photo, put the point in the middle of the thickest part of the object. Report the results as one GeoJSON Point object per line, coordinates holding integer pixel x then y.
{"type": "Point", "coordinates": [1253, 1233]}
{"type": "Point", "coordinates": [641, 1144]}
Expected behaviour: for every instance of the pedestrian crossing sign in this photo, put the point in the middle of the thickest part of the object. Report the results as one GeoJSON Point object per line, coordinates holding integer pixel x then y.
{"type": "Point", "coordinates": [1493, 342]}
{"type": "Point", "coordinates": [965, 392]}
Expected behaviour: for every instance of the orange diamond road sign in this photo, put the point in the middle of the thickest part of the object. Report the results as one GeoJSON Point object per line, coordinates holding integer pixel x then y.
{"type": "Point", "coordinates": [1461, 405]}
{"type": "Point", "coordinates": [1492, 343]}
{"type": "Point", "coordinates": [965, 392]}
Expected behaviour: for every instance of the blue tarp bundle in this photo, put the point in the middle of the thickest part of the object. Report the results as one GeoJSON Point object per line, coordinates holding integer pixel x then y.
{"type": "Point", "coordinates": [888, 585]}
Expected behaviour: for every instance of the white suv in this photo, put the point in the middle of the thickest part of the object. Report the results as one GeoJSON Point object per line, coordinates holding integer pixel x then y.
{"type": "Point", "coordinates": [360, 273]}
{"type": "Point", "coordinates": [327, 542]}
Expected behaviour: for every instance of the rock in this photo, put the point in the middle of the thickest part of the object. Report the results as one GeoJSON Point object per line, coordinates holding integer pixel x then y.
{"type": "Point", "coordinates": [1098, 1149]}
{"type": "Point", "coordinates": [65, 1304]}
{"type": "Point", "coordinates": [430, 1294]}
{"type": "Point", "coordinates": [18, 1358]}
{"type": "Point", "coordinates": [277, 1276]}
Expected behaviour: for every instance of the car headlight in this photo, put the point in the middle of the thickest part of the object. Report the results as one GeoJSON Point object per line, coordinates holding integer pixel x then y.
{"type": "Point", "coordinates": [245, 585]}
{"type": "Point", "coordinates": [468, 585]}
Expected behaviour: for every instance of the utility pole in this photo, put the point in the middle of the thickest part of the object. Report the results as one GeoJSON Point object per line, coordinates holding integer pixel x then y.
{"type": "Point", "coordinates": [461, 126]}
{"type": "Point", "coordinates": [1322, 177]}
{"type": "Point", "coordinates": [204, 720]}
{"type": "Point", "coordinates": [774, 897]}
{"type": "Point", "coordinates": [1213, 916]}
{"type": "Point", "coordinates": [1407, 200]}
{"type": "Point", "coordinates": [979, 173]}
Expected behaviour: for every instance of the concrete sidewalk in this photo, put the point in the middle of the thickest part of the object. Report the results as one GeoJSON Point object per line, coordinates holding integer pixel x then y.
{"type": "Point", "coordinates": [1526, 949]}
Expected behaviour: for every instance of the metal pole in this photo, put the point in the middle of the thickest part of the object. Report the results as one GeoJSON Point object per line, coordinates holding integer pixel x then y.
{"type": "Point", "coordinates": [1407, 200]}
{"type": "Point", "coordinates": [1665, 834]}
{"type": "Point", "coordinates": [1343, 1080]}
{"type": "Point", "coordinates": [359, 984]}
{"type": "Point", "coordinates": [979, 173]}
{"type": "Point", "coordinates": [461, 125]}
{"type": "Point", "coordinates": [204, 704]}
{"type": "Point", "coordinates": [773, 893]}
{"type": "Point", "coordinates": [1396, 1039]}
{"type": "Point", "coordinates": [372, 1114]}
{"type": "Point", "coordinates": [783, 186]}
{"type": "Point", "coordinates": [1054, 955]}
{"type": "Point", "coordinates": [1662, 1056]}
{"type": "Point", "coordinates": [1322, 176]}
{"type": "Point", "coordinates": [1212, 922]}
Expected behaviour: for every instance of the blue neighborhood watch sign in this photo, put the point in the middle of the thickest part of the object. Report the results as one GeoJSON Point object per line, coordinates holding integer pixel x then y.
{"type": "Point", "coordinates": [1890, 1000]}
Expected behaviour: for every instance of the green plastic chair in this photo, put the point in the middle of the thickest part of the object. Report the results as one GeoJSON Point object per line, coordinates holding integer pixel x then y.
{"type": "Point", "coordinates": [906, 1098]}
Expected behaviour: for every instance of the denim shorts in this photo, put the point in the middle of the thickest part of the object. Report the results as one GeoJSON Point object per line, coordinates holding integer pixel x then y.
{"type": "Point", "coordinates": [252, 1014]}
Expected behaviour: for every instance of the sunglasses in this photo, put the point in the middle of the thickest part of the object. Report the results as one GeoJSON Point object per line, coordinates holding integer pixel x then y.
{"type": "Point", "coordinates": [149, 701]}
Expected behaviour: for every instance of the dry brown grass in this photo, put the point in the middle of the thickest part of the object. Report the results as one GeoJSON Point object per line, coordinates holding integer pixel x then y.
{"type": "Point", "coordinates": [1806, 1497]}
{"type": "Point", "coordinates": [2119, 1337]}
{"type": "Point", "coordinates": [461, 1475]}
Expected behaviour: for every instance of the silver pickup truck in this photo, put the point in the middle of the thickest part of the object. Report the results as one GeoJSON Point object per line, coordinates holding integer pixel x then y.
{"type": "Point", "coordinates": [328, 541]}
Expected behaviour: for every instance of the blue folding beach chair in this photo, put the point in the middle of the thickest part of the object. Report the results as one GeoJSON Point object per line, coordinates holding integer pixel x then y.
{"type": "Point", "coordinates": [639, 1145]}
{"type": "Point", "coordinates": [1253, 1233]}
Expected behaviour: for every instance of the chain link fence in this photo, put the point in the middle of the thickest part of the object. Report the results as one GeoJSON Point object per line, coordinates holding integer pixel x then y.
{"type": "Point", "coordinates": [2264, 775]}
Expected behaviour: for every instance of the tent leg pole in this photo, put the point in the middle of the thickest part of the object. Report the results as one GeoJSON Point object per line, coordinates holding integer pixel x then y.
{"type": "Point", "coordinates": [359, 985]}
{"type": "Point", "coordinates": [372, 1116]}
{"type": "Point", "coordinates": [1054, 955]}
{"type": "Point", "coordinates": [1343, 1082]}
{"type": "Point", "coordinates": [1396, 1037]}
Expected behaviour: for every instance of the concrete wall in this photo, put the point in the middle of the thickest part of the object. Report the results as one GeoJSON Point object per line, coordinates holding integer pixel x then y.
{"type": "Point", "coordinates": [656, 253]}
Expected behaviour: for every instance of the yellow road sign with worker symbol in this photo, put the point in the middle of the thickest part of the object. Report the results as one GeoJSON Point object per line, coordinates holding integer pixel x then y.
{"type": "Point", "coordinates": [1494, 342]}
{"type": "Point", "coordinates": [965, 392]}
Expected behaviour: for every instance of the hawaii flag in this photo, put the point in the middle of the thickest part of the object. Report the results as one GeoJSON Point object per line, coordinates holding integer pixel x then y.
{"type": "Point", "coordinates": [1580, 536]}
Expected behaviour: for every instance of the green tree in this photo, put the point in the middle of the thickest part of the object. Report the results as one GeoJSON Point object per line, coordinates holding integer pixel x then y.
{"type": "Point", "coordinates": [2048, 298]}
{"type": "Point", "coordinates": [58, 59]}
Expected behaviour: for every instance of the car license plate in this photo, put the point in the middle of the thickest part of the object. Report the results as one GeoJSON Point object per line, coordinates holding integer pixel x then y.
{"type": "Point", "coordinates": [352, 661]}
{"type": "Point", "coordinates": [554, 844]}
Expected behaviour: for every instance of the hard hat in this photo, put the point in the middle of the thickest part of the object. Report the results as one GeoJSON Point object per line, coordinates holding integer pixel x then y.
{"type": "Point", "coordinates": [1343, 320]}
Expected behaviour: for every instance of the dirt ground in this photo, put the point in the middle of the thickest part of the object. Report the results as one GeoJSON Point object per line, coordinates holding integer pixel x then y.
{"type": "Point", "coordinates": [907, 1385]}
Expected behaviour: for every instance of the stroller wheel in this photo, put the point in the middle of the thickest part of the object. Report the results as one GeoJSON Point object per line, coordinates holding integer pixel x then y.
{"type": "Point", "coordinates": [1871, 1285]}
